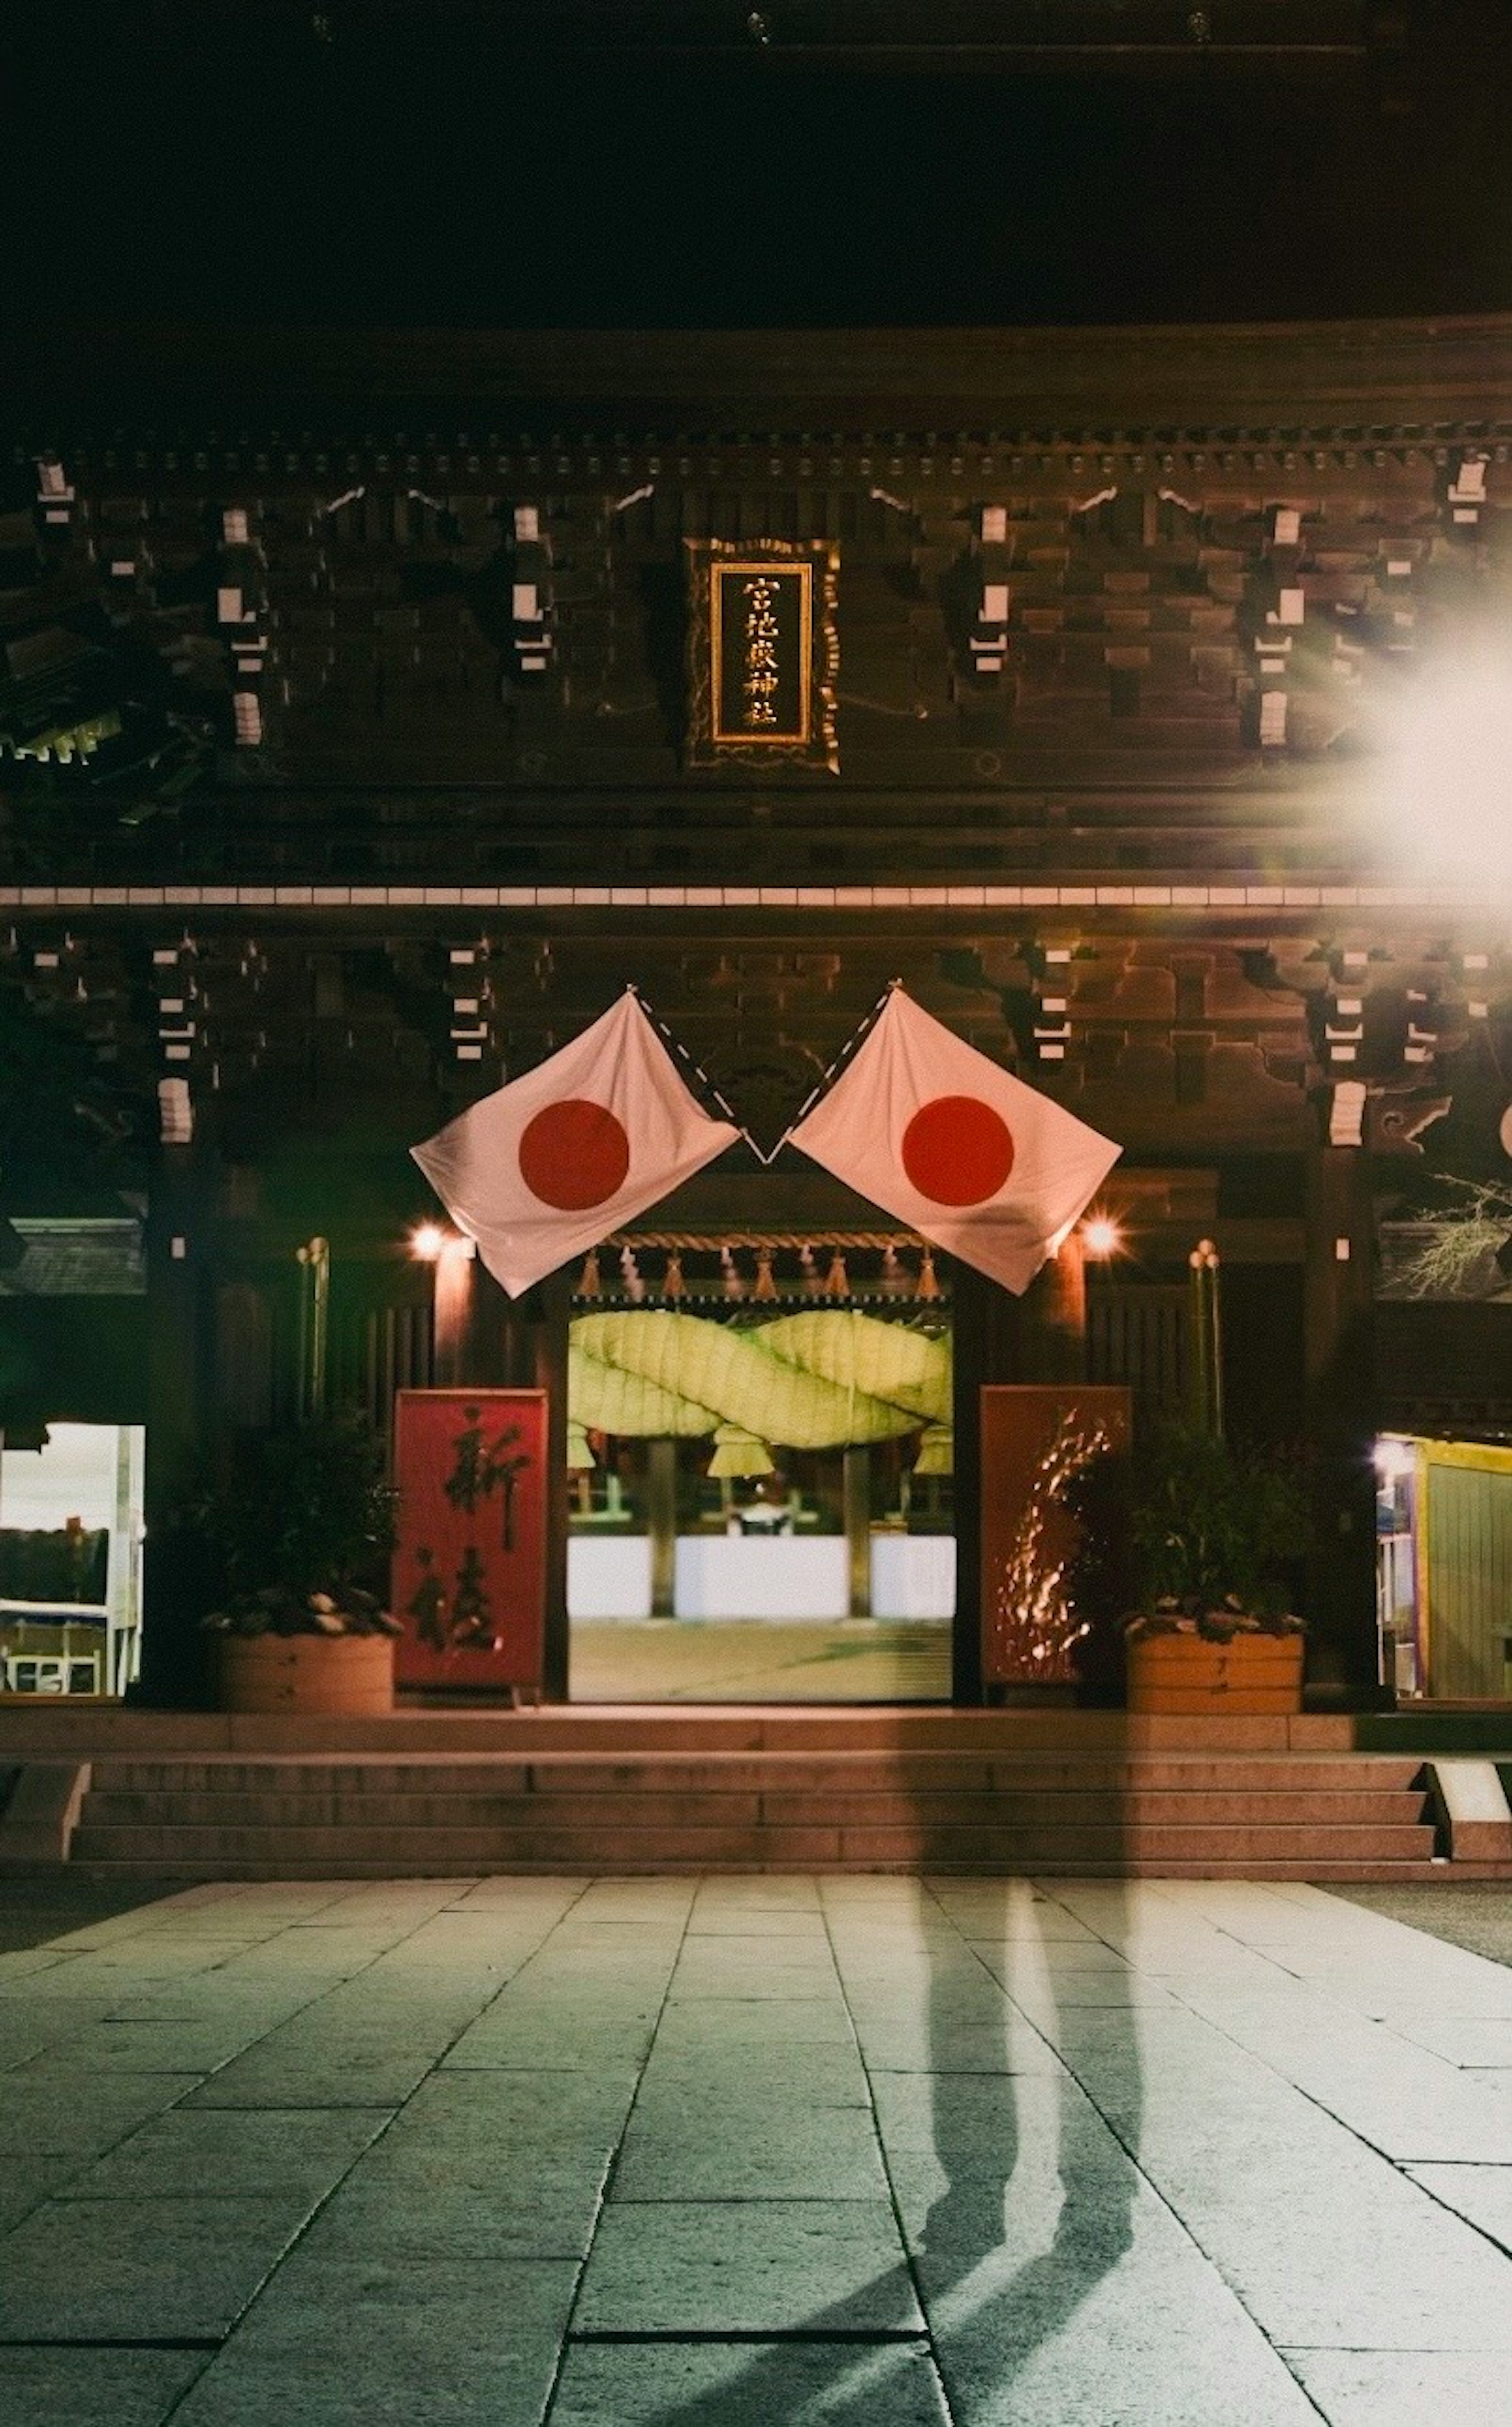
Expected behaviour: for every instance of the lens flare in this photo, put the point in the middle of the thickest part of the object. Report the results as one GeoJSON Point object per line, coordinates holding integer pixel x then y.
{"type": "Point", "coordinates": [1102, 1236]}
{"type": "Point", "coordinates": [1445, 772]}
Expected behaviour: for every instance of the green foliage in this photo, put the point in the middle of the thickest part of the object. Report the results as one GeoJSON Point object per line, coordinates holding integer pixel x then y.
{"type": "Point", "coordinates": [1458, 1258]}
{"type": "Point", "coordinates": [1214, 1529]}
{"type": "Point", "coordinates": [307, 1510]}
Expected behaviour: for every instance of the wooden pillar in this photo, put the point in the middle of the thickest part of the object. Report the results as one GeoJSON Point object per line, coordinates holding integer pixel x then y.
{"type": "Point", "coordinates": [177, 1589]}
{"type": "Point", "coordinates": [987, 1347]}
{"type": "Point", "coordinates": [454, 1289]}
{"type": "Point", "coordinates": [662, 1523]}
{"type": "Point", "coordinates": [483, 1313]}
{"type": "Point", "coordinates": [1341, 1422]}
{"type": "Point", "coordinates": [856, 1490]}
{"type": "Point", "coordinates": [549, 1374]}
{"type": "Point", "coordinates": [1053, 1318]}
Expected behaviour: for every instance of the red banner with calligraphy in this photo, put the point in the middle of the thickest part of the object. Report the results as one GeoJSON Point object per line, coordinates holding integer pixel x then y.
{"type": "Point", "coordinates": [470, 1557]}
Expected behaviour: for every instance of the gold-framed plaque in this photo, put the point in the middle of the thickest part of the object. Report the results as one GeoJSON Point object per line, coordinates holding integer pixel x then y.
{"type": "Point", "coordinates": [763, 654]}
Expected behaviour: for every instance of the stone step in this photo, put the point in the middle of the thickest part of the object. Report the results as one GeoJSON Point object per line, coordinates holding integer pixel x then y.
{"type": "Point", "coordinates": [442, 1852]}
{"type": "Point", "coordinates": [754, 1805]}
{"type": "Point", "coordinates": [1314, 1869]}
{"type": "Point", "coordinates": [862, 1798]}
{"type": "Point", "coordinates": [575, 1773]}
{"type": "Point", "coordinates": [93, 1732]}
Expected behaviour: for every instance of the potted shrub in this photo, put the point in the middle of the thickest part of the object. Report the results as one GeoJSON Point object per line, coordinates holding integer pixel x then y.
{"type": "Point", "coordinates": [294, 1521]}
{"type": "Point", "coordinates": [1213, 1532]}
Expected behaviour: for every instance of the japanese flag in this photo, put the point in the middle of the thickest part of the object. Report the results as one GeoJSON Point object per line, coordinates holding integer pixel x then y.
{"type": "Point", "coordinates": [969, 1157]}
{"type": "Point", "coordinates": [555, 1161]}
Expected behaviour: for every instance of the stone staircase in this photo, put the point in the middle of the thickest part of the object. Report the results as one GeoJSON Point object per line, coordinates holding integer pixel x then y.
{"type": "Point", "coordinates": [987, 1803]}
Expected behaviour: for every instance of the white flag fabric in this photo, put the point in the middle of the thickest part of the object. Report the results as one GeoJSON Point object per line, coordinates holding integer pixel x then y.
{"type": "Point", "coordinates": [554, 1161]}
{"type": "Point", "coordinates": [944, 1140]}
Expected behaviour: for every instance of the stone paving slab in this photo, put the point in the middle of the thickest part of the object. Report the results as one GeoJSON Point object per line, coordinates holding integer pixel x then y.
{"type": "Point", "coordinates": [1129, 2326]}
{"type": "Point", "coordinates": [763, 2022]}
{"type": "Point", "coordinates": [790, 2072]}
{"type": "Point", "coordinates": [95, 2388]}
{"type": "Point", "coordinates": [1477, 2042]}
{"type": "Point", "coordinates": [271, 2154]}
{"type": "Point", "coordinates": [669, 2153]}
{"type": "Point", "coordinates": [751, 2153]}
{"type": "Point", "coordinates": [484, 2166]}
{"type": "Point", "coordinates": [469, 2343]}
{"type": "Point", "coordinates": [735, 2384]}
{"type": "Point", "coordinates": [1003, 2043]}
{"type": "Point", "coordinates": [141, 2270]}
{"type": "Point", "coordinates": [466, 2209]}
{"type": "Point", "coordinates": [1406, 2389]}
{"type": "Point", "coordinates": [1480, 2195]}
{"type": "Point", "coordinates": [748, 2267]}
{"type": "Point", "coordinates": [80, 2115]}
{"type": "Point", "coordinates": [337, 2076]}
{"type": "Point", "coordinates": [26, 2182]}
{"type": "Point", "coordinates": [126, 2044]}
{"type": "Point", "coordinates": [750, 1923]}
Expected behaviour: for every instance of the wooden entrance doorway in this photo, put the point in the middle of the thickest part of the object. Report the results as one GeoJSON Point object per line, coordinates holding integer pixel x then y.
{"type": "Point", "coordinates": [761, 1455]}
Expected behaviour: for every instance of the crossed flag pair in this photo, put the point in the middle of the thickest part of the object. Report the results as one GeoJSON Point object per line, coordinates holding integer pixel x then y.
{"type": "Point", "coordinates": [918, 1122]}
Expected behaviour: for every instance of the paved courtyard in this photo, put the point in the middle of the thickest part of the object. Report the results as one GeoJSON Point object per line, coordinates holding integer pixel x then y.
{"type": "Point", "coordinates": [655, 2153]}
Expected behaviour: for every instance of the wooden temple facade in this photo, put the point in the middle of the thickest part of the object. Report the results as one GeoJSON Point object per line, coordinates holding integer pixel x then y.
{"type": "Point", "coordinates": [356, 751]}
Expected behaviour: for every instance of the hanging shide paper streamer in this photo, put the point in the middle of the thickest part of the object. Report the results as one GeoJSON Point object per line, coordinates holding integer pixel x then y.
{"type": "Point", "coordinates": [738, 1453]}
{"type": "Point", "coordinates": [936, 1451]}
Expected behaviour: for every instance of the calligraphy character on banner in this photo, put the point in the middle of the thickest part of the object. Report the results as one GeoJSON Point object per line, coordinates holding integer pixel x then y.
{"type": "Point", "coordinates": [480, 1471]}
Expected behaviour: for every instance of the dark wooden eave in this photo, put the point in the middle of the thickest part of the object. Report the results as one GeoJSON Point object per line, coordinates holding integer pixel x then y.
{"type": "Point", "coordinates": [1300, 377]}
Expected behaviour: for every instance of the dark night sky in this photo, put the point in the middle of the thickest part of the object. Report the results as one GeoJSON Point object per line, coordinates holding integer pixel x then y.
{"type": "Point", "coordinates": [174, 165]}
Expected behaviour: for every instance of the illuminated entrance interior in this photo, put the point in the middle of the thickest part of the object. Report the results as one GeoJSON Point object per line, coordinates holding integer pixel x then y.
{"type": "Point", "coordinates": [761, 1464]}
{"type": "Point", "coordinates": [71, 1533]}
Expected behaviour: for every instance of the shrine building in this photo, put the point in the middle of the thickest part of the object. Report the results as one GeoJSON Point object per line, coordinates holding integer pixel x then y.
{"type": "Point", "coordinates": [375, 709]}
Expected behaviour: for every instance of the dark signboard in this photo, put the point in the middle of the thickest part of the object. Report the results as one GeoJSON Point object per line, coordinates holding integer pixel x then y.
{"type": "Point", "coordinates": [763, 653]}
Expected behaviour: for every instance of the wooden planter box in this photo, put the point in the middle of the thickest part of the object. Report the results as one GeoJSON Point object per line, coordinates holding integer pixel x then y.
{"type": "Point", "coordinates": [343, 1674]}
{"type": "Point", "coordinates": [1185, 1676]}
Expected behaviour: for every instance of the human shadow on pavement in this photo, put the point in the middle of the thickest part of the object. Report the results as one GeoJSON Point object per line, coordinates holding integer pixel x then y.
{"type": "Point", "coordinates": [1014, 2198]}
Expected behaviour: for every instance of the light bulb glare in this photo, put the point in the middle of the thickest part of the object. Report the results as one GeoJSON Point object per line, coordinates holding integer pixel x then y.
{"type": "Point", "coordinates": [1102, 1236]}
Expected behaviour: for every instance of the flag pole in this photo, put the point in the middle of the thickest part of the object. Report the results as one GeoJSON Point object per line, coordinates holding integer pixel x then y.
{"type": "Point", "coordinates": [846, 1053]}
{"type": "Point", "coordinates": [674, 1045]}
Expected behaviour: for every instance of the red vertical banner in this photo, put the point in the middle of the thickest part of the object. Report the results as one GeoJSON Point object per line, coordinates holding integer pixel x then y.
{"type": "Point", "coordinates": [471, 1557]}
{"type": "Point", "coordinates": [1036, 1438]}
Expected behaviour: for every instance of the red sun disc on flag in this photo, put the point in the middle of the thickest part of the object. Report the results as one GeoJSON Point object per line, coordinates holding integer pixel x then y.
{"type": "Point", "coordinates": [574, 1154]}
{"type": "Point", "coordinates": [957, 1150]}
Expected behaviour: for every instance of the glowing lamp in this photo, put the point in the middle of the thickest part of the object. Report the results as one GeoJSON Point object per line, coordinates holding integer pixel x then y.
{"type": "Point", "coordinates": [1102, 1236]}
{"type": "Point", "coordinates": [426, 1241]}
